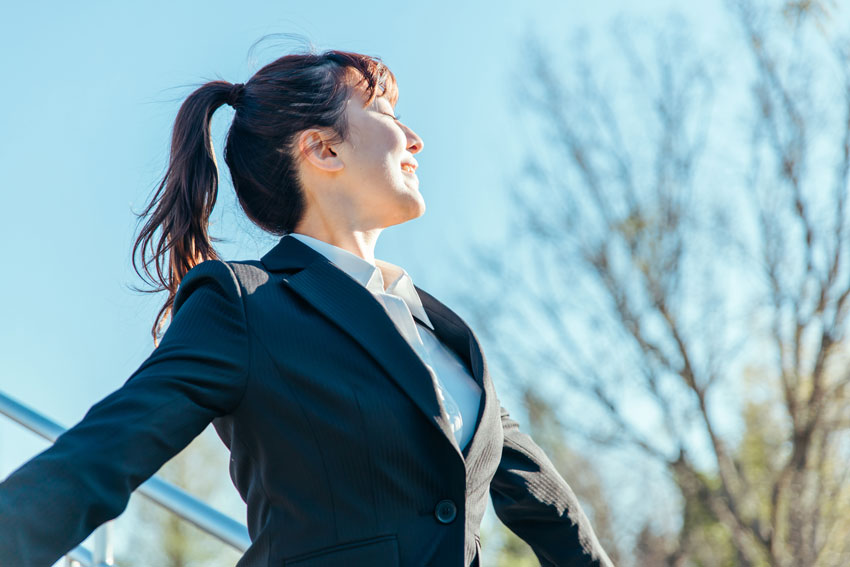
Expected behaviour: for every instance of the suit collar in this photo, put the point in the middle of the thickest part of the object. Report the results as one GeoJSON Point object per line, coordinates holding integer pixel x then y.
{"type": "Point", "coordinates": [353, 308]}
{"type": "Point", "coordinates": [370, 274]}
{"type": "Point", "coordinates": [290, 254]}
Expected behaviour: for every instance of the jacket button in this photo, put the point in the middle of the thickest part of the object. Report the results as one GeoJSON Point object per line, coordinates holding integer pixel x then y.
{"type": "Point", "coordinates": [446, 511]}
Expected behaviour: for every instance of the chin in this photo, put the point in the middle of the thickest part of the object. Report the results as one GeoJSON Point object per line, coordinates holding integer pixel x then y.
{"type": "Point", "coordinates": [410, 210]}
{"type": "Point", "coordinates": [418, 208]}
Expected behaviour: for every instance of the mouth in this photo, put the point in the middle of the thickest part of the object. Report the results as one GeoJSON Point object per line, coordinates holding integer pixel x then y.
{"type": "Point", "coordinates": [409, 167]}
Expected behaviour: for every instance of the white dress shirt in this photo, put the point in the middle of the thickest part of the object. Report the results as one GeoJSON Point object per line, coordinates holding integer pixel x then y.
{"type": "Point", "coordinates": [457, 390]}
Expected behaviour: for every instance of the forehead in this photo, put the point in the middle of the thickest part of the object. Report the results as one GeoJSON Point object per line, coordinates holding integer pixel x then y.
{"type": "Point", "coordinates": [360, 99]}
{"type": "Point", "coordinates": [385, 91]}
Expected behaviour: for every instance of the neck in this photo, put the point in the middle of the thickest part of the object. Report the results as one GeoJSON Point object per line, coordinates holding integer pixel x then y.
{"type": "Point", "coordinates": [359, 242]}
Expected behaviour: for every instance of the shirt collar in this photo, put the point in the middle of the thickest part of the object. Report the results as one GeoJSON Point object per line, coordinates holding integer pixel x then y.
{"type": "Point", "coordinates": [370, 276]}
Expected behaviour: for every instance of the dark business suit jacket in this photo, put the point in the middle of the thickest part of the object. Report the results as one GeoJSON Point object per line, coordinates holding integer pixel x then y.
{"type": "Point", "coordinates": [339, 445]}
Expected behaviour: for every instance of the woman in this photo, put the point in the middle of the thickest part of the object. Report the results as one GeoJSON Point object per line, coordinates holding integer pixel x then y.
{"type": "Point", "coordinates": [363, 425]}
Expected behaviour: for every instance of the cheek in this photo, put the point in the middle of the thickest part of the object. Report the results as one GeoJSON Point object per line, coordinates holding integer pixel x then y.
{"type": "Point", "coordinates": [388, 170]}
{"type": "Point", "coordinates": [392, 139]}
{"type": "Point", "coordinates": [380, 153]}
{"type": "Point", "coordinates": [390, 151]}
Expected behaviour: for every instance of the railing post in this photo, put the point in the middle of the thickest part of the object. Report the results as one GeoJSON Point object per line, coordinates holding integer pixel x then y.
{"type": "Point", "coordinates": [102, 553]}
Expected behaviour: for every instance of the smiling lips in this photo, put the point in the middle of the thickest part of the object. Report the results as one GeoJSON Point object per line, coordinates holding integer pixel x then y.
{"type": "Point", "coordinates": [408, 167]}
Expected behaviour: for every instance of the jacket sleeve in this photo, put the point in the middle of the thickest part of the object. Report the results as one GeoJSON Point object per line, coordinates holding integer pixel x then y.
{"type": "Point", "coordinates": [198, 372]}
{"type": "Point", "coordinates": [532, 499]}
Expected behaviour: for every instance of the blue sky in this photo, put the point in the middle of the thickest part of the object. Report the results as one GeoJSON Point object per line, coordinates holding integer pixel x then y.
{"type": "Point", "coordinates": [89, 94]}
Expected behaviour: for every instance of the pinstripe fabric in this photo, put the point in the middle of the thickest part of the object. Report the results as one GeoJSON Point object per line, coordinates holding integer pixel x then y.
{"type": "Point", "coordinates": [337, 441]}
{"type": "Point", "coordinates": [458, 392]}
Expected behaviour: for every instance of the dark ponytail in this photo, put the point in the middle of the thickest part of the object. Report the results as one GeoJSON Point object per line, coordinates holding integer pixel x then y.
{"type": "Point", "coordinates": [287, 96]}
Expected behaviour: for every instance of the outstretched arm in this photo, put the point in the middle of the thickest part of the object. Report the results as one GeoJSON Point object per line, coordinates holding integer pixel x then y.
{"type": "Point", "coordinates": [532, 499]}
{"type": "Point", "coordinates": [199, 371]}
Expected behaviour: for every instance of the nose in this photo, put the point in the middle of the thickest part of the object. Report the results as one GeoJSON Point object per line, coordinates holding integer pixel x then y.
{"type": "Point", "coordinates": [414, 142]}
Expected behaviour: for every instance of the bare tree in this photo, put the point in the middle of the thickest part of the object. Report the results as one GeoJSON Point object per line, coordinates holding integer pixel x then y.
{"type": "Point", "coordinates": [681, 232]}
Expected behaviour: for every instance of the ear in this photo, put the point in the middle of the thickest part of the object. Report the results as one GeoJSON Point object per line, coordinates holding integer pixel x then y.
{"type": "Point", "coordinates": [313, 147]}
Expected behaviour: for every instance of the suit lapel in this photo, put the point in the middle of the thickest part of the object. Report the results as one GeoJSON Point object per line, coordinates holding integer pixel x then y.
{"type": "Point", "coordinates": [353, 308]}
{"type": "Point", "coordinates": [453, 331]}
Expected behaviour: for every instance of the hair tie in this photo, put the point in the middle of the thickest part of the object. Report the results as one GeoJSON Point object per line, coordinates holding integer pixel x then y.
{"type": "Point", "coordinates": [234, 94]}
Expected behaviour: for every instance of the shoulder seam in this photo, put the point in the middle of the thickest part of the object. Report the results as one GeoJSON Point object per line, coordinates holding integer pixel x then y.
{"type": "Point", "coordinates": [241, 290]}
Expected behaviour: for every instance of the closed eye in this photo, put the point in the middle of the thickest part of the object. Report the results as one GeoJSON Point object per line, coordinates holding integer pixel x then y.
{"type": "Point", "coordinates": [397, 117]}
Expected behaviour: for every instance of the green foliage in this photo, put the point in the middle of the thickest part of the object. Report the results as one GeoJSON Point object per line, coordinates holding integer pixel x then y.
{"type": "Point", "coordinates": [161, 538]}
{"type": "Point", "coordinates": [514, 552]}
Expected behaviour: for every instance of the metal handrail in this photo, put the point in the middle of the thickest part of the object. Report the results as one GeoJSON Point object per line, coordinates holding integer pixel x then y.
{"type": "Point", "coordinates": [219, 525]}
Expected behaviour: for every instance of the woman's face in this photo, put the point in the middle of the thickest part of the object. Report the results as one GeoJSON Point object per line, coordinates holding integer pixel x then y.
{"type": "Point", "coordinates": [379, 167]}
